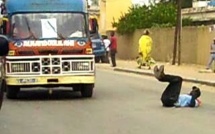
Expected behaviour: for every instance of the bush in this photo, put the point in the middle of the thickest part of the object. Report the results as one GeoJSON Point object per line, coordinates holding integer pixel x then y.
{"type": "Point", "coordinates": [140, 17]}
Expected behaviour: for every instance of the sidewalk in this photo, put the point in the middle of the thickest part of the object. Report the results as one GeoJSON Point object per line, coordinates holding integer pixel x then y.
{"type": "Point", "coordinates": [190, 73]}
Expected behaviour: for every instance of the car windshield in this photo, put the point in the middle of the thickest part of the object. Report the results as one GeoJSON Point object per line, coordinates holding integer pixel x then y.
{"type": "Point", "coordinates": [48, 25]}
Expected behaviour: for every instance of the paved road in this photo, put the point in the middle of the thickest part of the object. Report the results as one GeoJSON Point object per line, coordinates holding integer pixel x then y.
{"type": "Point", "coordinates": [122, 104]}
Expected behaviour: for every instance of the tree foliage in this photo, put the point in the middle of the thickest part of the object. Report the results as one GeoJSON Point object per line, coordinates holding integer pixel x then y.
{"type": "Point", "coordinates": [187, 3]}
{"type": "Point", "coordinates": [140, 17]}
{"type": "Point", "coordinates": [184, 3]}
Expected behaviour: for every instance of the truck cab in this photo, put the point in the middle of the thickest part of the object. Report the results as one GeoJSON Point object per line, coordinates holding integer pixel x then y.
{"type": "Point", "coordinates": [49, 46]}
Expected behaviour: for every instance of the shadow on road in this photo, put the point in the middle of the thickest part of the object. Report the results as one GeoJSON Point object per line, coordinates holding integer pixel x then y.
{"type": "Point", "coordinates": [38, 95]}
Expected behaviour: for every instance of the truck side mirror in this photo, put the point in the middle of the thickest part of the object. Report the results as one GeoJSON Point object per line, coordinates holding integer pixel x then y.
{"type": "Point", "coordinates": [4, 45]}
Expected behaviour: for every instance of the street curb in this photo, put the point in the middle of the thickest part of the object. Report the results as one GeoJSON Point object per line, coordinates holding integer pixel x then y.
{"type": "Point", "coordinates": [149, 73]}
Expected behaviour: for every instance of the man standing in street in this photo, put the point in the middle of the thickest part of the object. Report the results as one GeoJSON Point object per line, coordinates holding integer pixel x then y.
{"type": "Point", "coordinates": [212, 56]}
{"type": "Point", "coordinates": [113, 48]}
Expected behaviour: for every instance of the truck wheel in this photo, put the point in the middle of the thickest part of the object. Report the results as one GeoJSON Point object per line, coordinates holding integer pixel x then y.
{"type": "Point", "coordinates": [12, 92]}
{"type": "Point", "coordinates": [4, 85]}
{"type": "Point", "coordinates": [87, 90]}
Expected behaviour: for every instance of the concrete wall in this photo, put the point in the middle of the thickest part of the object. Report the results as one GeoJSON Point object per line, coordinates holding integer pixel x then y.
{"type": "Point", "coordinates": [195, 44]}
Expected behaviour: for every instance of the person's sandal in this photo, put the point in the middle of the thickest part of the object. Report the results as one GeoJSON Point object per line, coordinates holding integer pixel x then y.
{"type": "Point", "coordinates": [156, 72]}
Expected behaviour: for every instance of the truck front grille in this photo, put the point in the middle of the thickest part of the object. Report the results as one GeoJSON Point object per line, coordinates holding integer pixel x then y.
{"type": "Point", "coordinates": [48, 65]}
{"type": "Point", "coordinates": [66, 66]}
{"type": "Point", "coordinates": [35, 66]}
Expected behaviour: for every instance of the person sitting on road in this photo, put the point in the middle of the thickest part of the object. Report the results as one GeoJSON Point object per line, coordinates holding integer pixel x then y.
{"type": "Point", "coordinates": [171, 96]}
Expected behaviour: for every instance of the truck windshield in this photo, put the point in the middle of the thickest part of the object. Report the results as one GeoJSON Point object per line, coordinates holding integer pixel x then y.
{"type": "Point", "coordinates": [48, 26]}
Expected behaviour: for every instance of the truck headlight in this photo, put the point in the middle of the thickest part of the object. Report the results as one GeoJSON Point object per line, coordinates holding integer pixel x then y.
{"type": "Point", "coordinates": [20, 67]}
{"type": "Point", "coordinates": [76, 66]}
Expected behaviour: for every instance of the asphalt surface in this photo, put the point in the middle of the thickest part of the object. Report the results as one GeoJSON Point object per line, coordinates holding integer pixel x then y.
{"type": "Point", "coordinates": [150, 73]}
{"type": "Point", "coordinates": [122, 104]}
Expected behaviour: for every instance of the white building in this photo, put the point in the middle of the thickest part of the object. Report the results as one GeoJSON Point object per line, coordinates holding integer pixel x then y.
{"type": "Point", "coordinates": [200, 3]}
{"type": "Point", "coordinates": [144, 2]}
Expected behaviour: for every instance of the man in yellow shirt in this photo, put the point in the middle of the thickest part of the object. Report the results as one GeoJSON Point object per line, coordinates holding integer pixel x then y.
{"type": "Point", "coordinates": [145, 47]}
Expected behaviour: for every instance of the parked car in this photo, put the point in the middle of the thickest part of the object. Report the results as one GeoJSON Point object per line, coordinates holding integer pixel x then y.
{"type": "Point", "coordinates": [98, 48]}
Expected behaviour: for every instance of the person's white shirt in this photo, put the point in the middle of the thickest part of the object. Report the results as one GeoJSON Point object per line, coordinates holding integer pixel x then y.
{"type": "Point", "coordinates": [107, 44]}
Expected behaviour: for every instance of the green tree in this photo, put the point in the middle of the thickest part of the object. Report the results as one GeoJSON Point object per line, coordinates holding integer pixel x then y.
{"type": "Point", "coordinates": [184, 4]}
{"type": "Point", "coordinates": [187, 3]}
{"type": "Point", "coordinates": [140, 17]}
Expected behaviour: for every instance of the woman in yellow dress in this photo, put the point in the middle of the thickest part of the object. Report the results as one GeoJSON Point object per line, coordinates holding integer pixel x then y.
{"type": "Point", "coordinates": [145, 48]}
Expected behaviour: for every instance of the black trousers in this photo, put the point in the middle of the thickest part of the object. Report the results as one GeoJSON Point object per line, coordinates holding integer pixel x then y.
{"type": "Point", "coordinates": [107, 56]}
{"type": "Point", "coordinates": [172, 91]}
{"type": "Point", "coordinates": [113, 57]}
{"type": "Point", "coordinates": [4, 27]}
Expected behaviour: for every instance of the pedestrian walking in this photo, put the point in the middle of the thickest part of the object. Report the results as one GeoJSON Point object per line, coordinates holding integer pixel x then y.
{"type": "Point", "coordinates": [3, 8]}
{"type": "Point", "coordinates": [212, 55]}
{"type": "Point", "coordinates": [113, 48]}
{"type": "Point", "coordinates": [107, 47]}
{"type": "Point", "coordinates": [171, 96]}
{"type": "Point", "coordinates": [145, 47]}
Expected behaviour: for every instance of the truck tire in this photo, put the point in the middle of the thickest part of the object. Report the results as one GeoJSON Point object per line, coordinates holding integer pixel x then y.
{"type": "Point", "coordinates": [4, 85]}
{"type": "Point", "coordinates": [12, 92]}
{"type": "Point", "coordinates": [87, 90]}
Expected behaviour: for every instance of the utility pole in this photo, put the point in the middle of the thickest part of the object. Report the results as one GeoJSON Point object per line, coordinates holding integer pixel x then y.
{"type": "Point", "coordinates": [175, 44]}
{"type": "Point", "coordinates": [179, 31]}
{"type": "Point", "coordinates": [177, 37]}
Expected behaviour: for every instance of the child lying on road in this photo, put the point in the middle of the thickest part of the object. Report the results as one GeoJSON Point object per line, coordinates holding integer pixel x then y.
{"type": "Point", "coordinates": [171, 96]}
